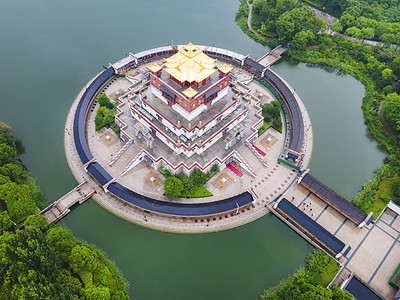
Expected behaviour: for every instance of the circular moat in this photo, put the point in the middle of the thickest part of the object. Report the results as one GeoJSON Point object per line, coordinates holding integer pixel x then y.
{"type": "Point", "coordinates": [180, 123]}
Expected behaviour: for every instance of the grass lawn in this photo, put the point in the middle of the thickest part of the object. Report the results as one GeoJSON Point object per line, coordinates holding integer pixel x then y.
{"type": "Point", "coordinates": [384, 192]}
{"type": "Point", "coordinates": [201, 191]}
{"type": "Point", "coordinates": [377, 206]}
{"type": "Point", "coordinates": [329, 273]}
{"type": "Point", "coordinates": [267, 125]}
{"type": "Point", "coordinates": [264, 128]}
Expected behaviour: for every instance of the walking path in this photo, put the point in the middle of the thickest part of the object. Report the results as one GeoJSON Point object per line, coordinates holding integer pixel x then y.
{"type": "Point", "coordinates": [249, 17]}
{"type": "Point", "coordinates": [331, 19]}
{"type": "Point", "coordinates": [319, 14]}
{"type": "Point", "coordinates": [374, 252]}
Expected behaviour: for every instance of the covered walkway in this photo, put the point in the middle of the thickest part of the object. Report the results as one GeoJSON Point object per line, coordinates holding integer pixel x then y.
{"type": "Point", "coordinates": [361, 291]}
{"type": "Point", "coordinates": [323, 237]}
{"type": "Point", "coordinates": [333, 199]}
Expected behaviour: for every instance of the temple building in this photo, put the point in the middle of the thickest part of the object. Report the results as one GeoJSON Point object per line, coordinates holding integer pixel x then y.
{"type": "Point", "coordinates": [190, 103]}
{"type": "Point", "coordinates": [190, 82]}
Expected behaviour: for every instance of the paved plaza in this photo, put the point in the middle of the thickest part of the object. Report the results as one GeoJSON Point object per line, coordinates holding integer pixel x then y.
{"type": "Point", "coordinates": [375, 249]}
{"type": "Point", "coordinates": [272, 178]}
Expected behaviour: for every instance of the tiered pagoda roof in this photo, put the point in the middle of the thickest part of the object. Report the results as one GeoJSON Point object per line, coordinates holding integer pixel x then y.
{"type": "Point", "coordinates": [225, 68]}
{"type": "Point", "coordinates": [190, 92]}
{"type": "Point", "coordinates": [190, 64]}
{"type": "Point", "coordinates": [154, 67]}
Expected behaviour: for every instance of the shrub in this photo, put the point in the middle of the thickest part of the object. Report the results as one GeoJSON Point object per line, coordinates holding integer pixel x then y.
{"type": "Point", "coordinates": [99, 122]}
{"type": "Point", "coordinates": [103, 100]}
{"type": "Point", "coordinates": [164, 171]}
{"type": "Point", "coordinates": [396, 187]}
{"type": "Point", "coordinates": [173, 187]}
{"type": "Point", "coordinates": [199, 178]}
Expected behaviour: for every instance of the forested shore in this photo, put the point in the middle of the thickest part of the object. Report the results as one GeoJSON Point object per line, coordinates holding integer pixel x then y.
{"type": "Point", "coordinates": [44, 261]}
{"type": "Point", "coordinates": [295, 25]}
{"type": "Point", "coordinates": [377, 67]}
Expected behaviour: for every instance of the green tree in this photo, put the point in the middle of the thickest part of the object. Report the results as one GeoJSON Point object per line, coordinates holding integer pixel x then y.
{"type": "Point", "coordinates": [61, 241]}
{"type": "Point", "coordinates": [28, 269]}
{"type": "Point", "coordinates": [395, 65]}
{"type": "Point", "coordinates": [188, 184]}
{"type": "Point", "coordinates": [14, 172]}
{"type": "Point", "coordinates": [366, 33]}
{"type": "Point", "coordinates": [315, 25]}
{"type": "Point", "coordinates": [173, 187]}
{"type": "Point", "coordinates": [366, 23]}
{"type": "Point", "coordinates": [22, 208]}
{"type": "Point", "coordinates": [387, 89]}
{"type": "Point", "coordinates": [97, 293]}
{"type": "Point", "coordinates": [339, 294]}
{"type": "Point", "coordinates": [396, 187]}
{"type": "Point", "coordinates": [4, 179]}
{"type": "Point", "coordinates": [38, 221]}
{"type": "Point", "coordinates": [353, 31]}
{"type": "Point", "coordinates": [285, 27]}
{"type": "Point", "coordinates": [5, 222]}
{"type": "Point", "coordinates": [347, 20]}
{"type": "Point", "coordinates": [199, 178]}
{"type": "Point", "coordinates": [6, 133]}
{"type": "Point", "coordinates": [300, 40]}
{"type": "Point", "coordinates": [11, 192]}
{"type": "Point", "coordinates": [103, 100]}
{"type": "Point", "coordinates": [387, 74]}
{"type": "Point", "coordinates": [317, 292]}
{"type": "Point", "coordinates": [388, 39]}
{"type": "Point", "coordinates": [99, 122]}
{"type": "Point", "coordinates": [71, 283]}
{"type": "Point", "coordinates": [337, 26]}
{"type": "Point", "coordinates": [7, 155]}
{"type": "Point", "coordinates": [82, 259]}
{"type": "Point", "coordinates": [109, 119]}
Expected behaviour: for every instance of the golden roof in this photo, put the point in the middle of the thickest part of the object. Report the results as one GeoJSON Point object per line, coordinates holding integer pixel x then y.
{"type": "Point", "coordinates": [190, 64]}
{"type": "Point", "coordinates": [225, 68]}
{"type": "Point", "coordinates": [190, 92]}
{"type": "Point", "coordinates": [154, 67]}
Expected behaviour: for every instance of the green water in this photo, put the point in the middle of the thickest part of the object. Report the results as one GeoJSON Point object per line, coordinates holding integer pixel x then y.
{"type": "Point", "coordinates": [49, 50]}
{"type": "Point", "coordinates": [344, 156]}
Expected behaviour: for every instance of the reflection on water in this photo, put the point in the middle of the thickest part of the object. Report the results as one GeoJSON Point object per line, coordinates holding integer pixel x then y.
{"type": "Point", "coordinates": [344, 155]}
{"type": "Point", "coordinates": [56, 47]}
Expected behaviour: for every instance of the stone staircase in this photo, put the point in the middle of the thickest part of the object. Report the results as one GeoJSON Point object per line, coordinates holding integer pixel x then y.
{"type": "Point", "coordinates": [245, 165]}
{"type": "Point", "coordinates": [120, 152]}
{"type": "Point", "coordinates": [258, 155]}
{"type": "Point", "coordinates": [132, 163]}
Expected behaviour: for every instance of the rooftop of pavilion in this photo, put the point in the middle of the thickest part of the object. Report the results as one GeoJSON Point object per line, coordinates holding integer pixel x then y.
{"type": "Point", "coordinates": [190, 64]}
{"type": "Point", "coordinates": [165, 77]}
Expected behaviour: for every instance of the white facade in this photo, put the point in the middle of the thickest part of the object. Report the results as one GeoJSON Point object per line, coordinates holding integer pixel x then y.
{"type": "Point", "coordinates": [187, 149]}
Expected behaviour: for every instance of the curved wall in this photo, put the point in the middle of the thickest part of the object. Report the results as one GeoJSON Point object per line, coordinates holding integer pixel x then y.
{"type": "Point", "coordinates": [180, 209]}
